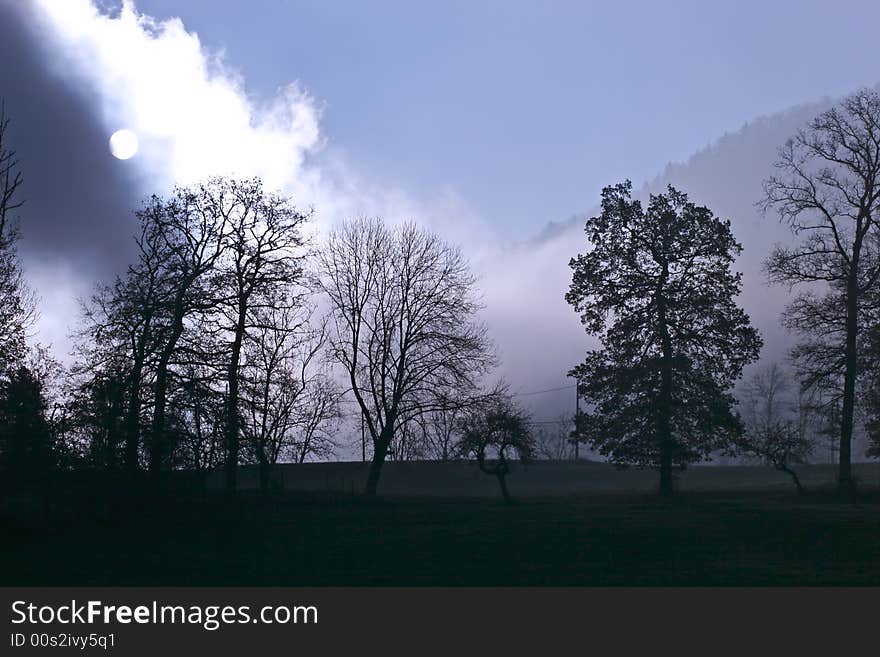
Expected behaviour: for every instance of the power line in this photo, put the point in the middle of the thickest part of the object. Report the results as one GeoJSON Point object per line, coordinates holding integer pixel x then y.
{"type": "Point", "coordinates": [549, 422]}
{"type": "Point", "coordinates": [513, 394]}
{"type": "Point", "coordinates": [541, 392]}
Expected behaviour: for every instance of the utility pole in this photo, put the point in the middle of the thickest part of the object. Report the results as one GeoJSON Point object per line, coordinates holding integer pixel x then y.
{"type": "Point", "coordinates": [363, 439]}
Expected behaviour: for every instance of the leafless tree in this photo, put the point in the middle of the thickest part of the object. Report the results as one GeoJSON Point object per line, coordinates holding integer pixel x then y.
{"type": "Point", "coordinates": [187, 232]}
{"type": "Point", "coordinates": [198, 409]}
{"type": "Point", "coordinates": [440, 432]}
{"type": "Point", "coordinates": [10, 179]}
{"type": "Point", "coordinates": [828, 191]}
{"type": "Point", "coordinates": [777, 423]}
{"type": "Point", "coordinates": [871, 387]}
{"type": "Point", "coordinates": [553, 440]}
{"type": "Point", "coordinates": [118, 330]}
{"type": "Point", "coordinates": [289, 401]}
{"type": "Point", "coordinates": [262, 250]}
{"type": "Point", "coordinates": [406, 333]}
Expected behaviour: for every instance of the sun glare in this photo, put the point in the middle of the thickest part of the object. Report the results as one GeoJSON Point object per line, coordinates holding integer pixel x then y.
{"type": "Point", "coordinates": [123, 144]}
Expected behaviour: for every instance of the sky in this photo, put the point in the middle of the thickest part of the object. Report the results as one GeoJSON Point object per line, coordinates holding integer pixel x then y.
{"type": "Point", "coordinates": [482, 120]}
{"type": "Point", "coordinates": [528, 108]}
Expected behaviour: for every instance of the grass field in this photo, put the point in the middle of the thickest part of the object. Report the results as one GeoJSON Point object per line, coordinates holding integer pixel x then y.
{"type": "Point", "coordinates": [538, 479]}
{"type": "Point", "coordinates": [442, 524]}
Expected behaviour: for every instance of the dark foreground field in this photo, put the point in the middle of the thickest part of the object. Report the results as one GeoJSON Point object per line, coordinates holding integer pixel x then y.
{"type": "Point", "coordinates": [753, 534]}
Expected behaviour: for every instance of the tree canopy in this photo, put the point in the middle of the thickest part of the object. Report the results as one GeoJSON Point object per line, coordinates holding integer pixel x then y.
{"type": "Point", "coordinates": [657, 289]}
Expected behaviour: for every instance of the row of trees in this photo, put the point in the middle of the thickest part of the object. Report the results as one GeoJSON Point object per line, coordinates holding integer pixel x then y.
{"type": "Point", "coordinates": [206, 351]}
{"type": "Point", "coordinates": [211, 351]}
{"type": "Point", "coordinates": [233, 340]}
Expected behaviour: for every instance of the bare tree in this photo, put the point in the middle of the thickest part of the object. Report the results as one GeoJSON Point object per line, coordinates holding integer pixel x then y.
{"type": "Point", "coordinates": [10, 181]}
{"type": "Point", "coordinates": [216, 262]}
{"type": "Point", "coordinates": [145, 292]}
{"type": "Point", "coordinates": [871, 388]}
{"type": "Point", "coordinates": [828, 191]}
{"type": "Point", "coordinates": [404, 309]}
{"type": "Point", "coordinates": [553, 441]}
{"type": "Point", "coordinates": [198, 410]}
{"type": "Point", "coordinates": [262, 250]}
{"type": "Point", "coordinates": [777, 423]}
{"type": "Point", "coordinates": [118, 330]}
{"type": "Point", "coordinates": [289, 401]}
{"type": "Point", "coordinates": [440, 432]}
{"type": "Point", "coordinates": [186, 230]}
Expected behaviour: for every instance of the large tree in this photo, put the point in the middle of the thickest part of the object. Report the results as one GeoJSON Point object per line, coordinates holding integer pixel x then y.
{"type": "Point", "coordinates": [261, 267]}
{"type": "Point", "coordinates": [186, 231]}
{"type": "Point", "coordinates": [404, 311]}
{"type": "Point", "coordinates": [657, 289]}
{"type": "Point", "coordinates": [828, 190]}
{"type": "Point", "coordinates": [118, 336]}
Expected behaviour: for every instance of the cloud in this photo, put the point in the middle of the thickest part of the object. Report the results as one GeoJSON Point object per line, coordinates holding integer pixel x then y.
{"type": "Point", "coordinates": [194, 118]}
{"type": "Point", "coordinates": [189, 109]}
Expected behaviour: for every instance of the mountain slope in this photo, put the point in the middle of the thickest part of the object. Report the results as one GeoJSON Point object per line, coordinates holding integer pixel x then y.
{"type": "Point", "coordinates": [539, 335]}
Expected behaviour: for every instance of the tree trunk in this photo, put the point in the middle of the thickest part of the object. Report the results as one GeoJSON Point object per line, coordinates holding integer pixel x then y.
{"type": "Point", "coordinates": [133, 419]}
{"type": "Point", "coordinates": [845, 482]}
{"type": "Point", "coordinates": [664, 412]}
{"type": "Point", "coordinates": [157, 445]}
{"type": "Point", "coordinates": [232, 427]}
{"type": "Point", "coordinates": [794, 478]}
{"type": "Point", "coordinates": [502, 481]}
{"type": "Point", "coordinates": [665, 434]}
{"type": "Point", "coordinates": [265, 472]}
{"type": "Point", "coordinates": [157, 438]}
{"type": "Point", "coordinates": [380, 449]}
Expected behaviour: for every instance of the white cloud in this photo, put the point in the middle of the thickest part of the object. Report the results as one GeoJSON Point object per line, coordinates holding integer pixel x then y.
{"type": "Point", "coordinates": [188, 108]}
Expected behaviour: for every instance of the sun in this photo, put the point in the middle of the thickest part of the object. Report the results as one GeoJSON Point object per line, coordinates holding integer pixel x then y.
{"type": "Point", "coordinates": [123, 144]}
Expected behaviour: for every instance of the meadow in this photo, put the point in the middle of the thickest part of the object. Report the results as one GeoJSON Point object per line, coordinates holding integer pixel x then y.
{"type": "Point", "coordinates": [573, 524]}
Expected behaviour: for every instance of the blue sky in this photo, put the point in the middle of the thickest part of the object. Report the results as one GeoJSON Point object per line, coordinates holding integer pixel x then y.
{"type": "Point", "coordinates": [526, 109]}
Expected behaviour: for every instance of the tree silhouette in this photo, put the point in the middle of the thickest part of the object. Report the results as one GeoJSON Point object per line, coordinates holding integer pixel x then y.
{"type": "Point", "coordinates": [493, 432]}
{"type": "Point", "coordinates": [439, 432]}
{"type": "Point", "coordinates": [776, 423]}
{"type": "Point", "coordinates": [288, 397]}
{"type": "Point", "coordinates": [260, 267]}
{"type": "Point", "coordinates": [118, 337]}
{"type": "Point", "coordinates": [828, 191]}
{"type": "Point", "coordinates": [186, 231]}
{"type": "Point", "coordinates": [656, 288]}
{"type": "Point", "coordinates": [404, 309]}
